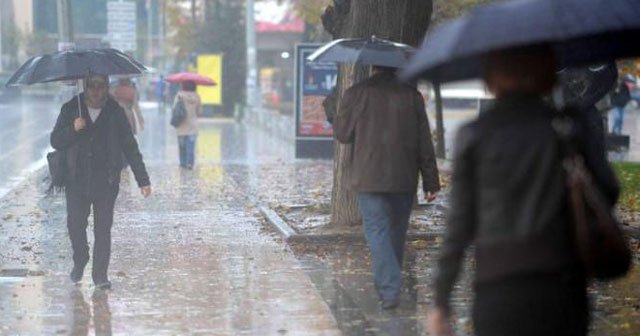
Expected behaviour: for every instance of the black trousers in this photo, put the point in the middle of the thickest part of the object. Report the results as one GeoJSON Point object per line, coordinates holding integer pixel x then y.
{"type": "Point", "coordinates": [79, 204]}
{"type": "Point", "coordinates": [536, 305]}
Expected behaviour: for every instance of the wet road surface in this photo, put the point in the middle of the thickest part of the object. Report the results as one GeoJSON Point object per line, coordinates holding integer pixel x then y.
{"type": "Point", "coordinates": [25, 125]}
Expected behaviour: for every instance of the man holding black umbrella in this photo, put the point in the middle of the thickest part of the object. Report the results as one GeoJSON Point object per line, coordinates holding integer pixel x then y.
{"type": "Point", "coordinates": [94, 136]}
{"type": "Point", "coordinates": [387, 124]}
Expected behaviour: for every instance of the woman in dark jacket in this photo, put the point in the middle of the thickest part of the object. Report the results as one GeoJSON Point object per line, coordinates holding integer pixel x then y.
{"type": "Point", "coordinates": [508, 198]}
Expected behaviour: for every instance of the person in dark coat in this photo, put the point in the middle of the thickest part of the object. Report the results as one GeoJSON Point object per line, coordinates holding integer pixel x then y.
{"type": "Point", "coordinates": [94, 144]}
{"type": "Point", "coordinates": [387, 124]}
{"type": "Point", "coordinates": [508, 197]}
{"type": "Point", "coordinates": [620, 97]}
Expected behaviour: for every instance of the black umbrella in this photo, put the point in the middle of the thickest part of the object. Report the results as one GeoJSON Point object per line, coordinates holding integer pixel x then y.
{"type": "Point", "coordinates": [369, 51]}
{"type": "Point", "coordinates": [581, 32]}
{"type": "Point", "coordinates": [75, 64]}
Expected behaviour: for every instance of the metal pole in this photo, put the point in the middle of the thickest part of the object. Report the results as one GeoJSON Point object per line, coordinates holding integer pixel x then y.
{"type": "Point", "coordinates": [253, 103]}
{"type": "Point", "coordinates": [1, 32]}
{"type": "Point", "coordinates": [193, 12]}
{"type": "Point", "coordinates": [149, 27]}
{"type": "Point", "coordinates": [65, 25]}
{"type": "Point", "coordinates": [439, 122]}
{"type": "Point", "coordinates": [161, 33]}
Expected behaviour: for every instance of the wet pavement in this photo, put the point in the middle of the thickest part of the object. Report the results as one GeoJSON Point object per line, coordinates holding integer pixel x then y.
{"type": "Point", "coordinates": [191, 259]}
{"type": "Point", "coordinates": [197, 257]}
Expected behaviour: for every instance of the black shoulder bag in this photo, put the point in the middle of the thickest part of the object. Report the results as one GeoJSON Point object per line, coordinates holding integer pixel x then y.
{"type": "Point", "coordinates": [178, 113]}
{"type": "Point", "coordinates": [57, 169]}
{"type": "Point", "coordinates": [599, 240]}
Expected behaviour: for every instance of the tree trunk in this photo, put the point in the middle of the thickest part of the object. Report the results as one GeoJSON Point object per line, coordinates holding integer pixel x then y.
{"type": "Point", "coordinates": [398, 20]}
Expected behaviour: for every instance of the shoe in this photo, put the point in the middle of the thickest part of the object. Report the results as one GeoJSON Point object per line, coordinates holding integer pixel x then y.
{"type": "Point", "coordinates": [104, 285]}
{"type": "Point", "coordinates": [389, 304]}
{"type": "Point", "coordinates": [76, 274]}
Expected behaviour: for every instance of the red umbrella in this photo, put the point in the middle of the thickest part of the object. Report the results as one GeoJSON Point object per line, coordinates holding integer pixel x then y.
{"type": "Point", "coordinates": [182, 77]}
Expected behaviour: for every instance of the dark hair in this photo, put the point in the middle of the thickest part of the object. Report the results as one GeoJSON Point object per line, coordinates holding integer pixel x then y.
{"type": "Point", "coordinates": [533, 68]}
{"type": "Point", "coordinates": [188, 86]}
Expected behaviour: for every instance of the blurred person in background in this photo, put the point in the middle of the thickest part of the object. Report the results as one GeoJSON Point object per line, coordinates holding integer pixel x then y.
{"type": "Point", "coordinates": [126, 95]}
{"type": "Point", "coordinates": [619, 97]}
{"type": "Point", "coordinates": [161, 93]}
{"type": "Point", "coordinates": [188, 131]}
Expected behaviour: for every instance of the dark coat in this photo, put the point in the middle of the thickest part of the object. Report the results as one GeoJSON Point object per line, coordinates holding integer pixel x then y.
{"type": "Point", "coordinates": [509, 197]}
{"type": "Point", "coordinates": [119, 141]}
{"type": "Point", "coordinates": [620, 95]}
{"type": "Point", "coordinates": [387, 124]}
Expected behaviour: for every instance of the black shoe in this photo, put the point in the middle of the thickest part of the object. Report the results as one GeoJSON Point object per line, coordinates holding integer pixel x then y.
{"type": "Point", "coordinates": [389, 304]}
{"type": "Point", "coordinates": [104, 285]}
{"type": "Point", "coordinates": [76, 274]}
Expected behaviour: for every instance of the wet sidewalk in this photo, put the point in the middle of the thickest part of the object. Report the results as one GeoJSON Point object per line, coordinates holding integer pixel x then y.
{"type": "Point", "coordinates": [189, 260]}
{"type": "Point", "coordinates": [198, 258]}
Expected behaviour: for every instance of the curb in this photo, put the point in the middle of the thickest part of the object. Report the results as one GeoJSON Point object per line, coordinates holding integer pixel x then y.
{"type": "Point", "coordinates": [278, 223]}
{"type": "Point", "coordinates": [290, 235]}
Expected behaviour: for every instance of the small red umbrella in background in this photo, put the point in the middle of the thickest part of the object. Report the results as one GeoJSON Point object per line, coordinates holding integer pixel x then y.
{"type": "Point", "coordinates": [182, 77]}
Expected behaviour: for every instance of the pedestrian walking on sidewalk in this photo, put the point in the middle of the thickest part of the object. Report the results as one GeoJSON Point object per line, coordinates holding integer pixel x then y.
{"type": "Point", "coordinates": [187, 131]}
{"type": "Point", "coordinates": [620, 97]}
{"type": "Point", "coordinates": [127, 96]}
{"type": "Point", "coordinates": [94, 143]}
{"type": "Point", "coordinates": [161, 93]}
{"type": "Point", "coordinates": [509, 197]}
{"type": "Point", "coordinates": [387, 124]}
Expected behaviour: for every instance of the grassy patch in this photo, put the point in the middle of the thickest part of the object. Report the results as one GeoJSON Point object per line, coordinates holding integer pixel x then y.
{"type": "Point", "coordinates": [629, 175]}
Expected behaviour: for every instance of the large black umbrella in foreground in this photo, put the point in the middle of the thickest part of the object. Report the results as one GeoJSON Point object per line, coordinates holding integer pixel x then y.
{"type": "Point", "coordinates": [75, 64]}
{"type": "Point", "coordinates": [580, 31]}
{"type": "Point", "coordinates": [369, 51]}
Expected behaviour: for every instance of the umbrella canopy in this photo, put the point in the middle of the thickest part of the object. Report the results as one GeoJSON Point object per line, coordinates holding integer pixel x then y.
{"type": "Point", "coordinates": [369, 51]}
{"type": "Point", "coordinates": [182, 77]}
{"type": "Point", "coordinates": [580, 31]}
{"type": "Point", "coordinates": [75, 64]}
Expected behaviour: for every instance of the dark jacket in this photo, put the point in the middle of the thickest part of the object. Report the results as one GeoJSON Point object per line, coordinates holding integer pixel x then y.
{"type": "Point", "coordinates": [509, 196]}
{"type": "Point", "coordinates": [116, 140]}
{"type": "Point", "coordinates": [620, 95]}
{"type": "Point", "coordinates": [387, 124]}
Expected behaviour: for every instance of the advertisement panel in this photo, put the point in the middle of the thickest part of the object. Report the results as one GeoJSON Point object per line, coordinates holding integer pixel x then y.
{"type": "Point", "coordinates": [210, 65]}
{"type": "Point", "coordinates": [314, 82]}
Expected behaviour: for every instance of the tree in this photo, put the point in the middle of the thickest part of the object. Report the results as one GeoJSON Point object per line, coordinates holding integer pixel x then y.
{"type": "Point", "coordinates": [10, 35]}
{"type": "Point", "coordinates": [444, 10]}
{"type": "Point", "coordinates": [219, 29]}
{"type": "Point", "coordinates": [223, 32]}
{"type": "Point", "coordinates": [311, 12]}
{"type": "Point", "coordinates": [398, 20]}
